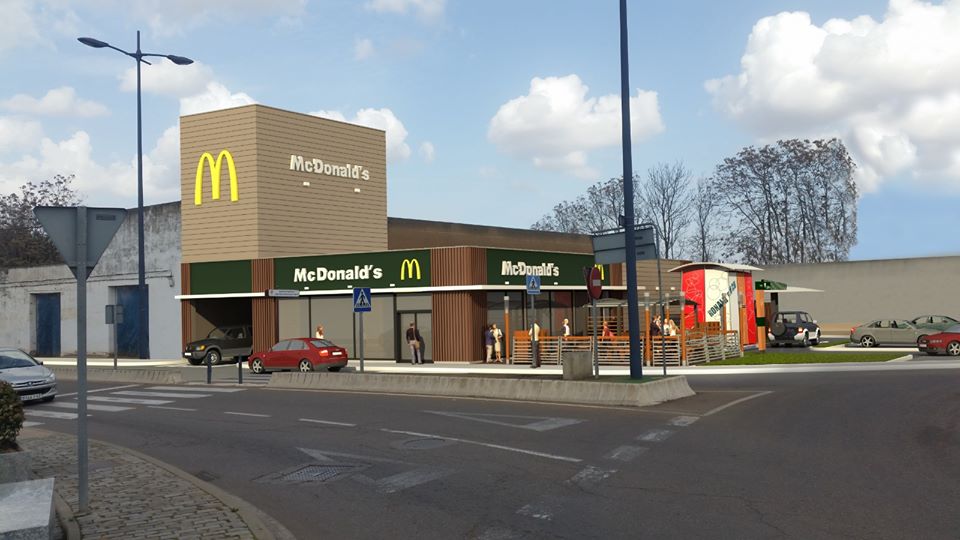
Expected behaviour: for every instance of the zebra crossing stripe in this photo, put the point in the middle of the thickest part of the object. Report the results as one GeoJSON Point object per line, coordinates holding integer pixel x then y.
{"type": "Point", "coordinates": [204, 388]}
{"type": "Point", "coordinates": [52, 414]}
{"type": "Point", "coordinates": [134, 401]}
{"type": "Point", "coordinates": [32, 424]}
{"type": "Point", "coordinates": [90, 406]}
{"type": "Point", "coordinates": [138, 393]}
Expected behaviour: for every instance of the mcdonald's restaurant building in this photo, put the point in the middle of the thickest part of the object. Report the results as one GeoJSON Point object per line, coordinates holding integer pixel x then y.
{"type": "Point", "coordinates": [283, 214]}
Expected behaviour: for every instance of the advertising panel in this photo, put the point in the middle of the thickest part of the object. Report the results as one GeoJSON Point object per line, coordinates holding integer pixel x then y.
{"type": "Point", "coordinates": [375, 270]}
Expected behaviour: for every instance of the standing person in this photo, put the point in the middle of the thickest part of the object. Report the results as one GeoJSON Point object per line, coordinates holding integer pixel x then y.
{"type": "Point", "coordinates": [319, 332]}
{"type": "Point", "coordinates": [488, 342]}
{"type": "Point", "coordinates": [497, 337]}
{"type": "Point", "coordinates": [671, 328]}
{"type": "Point", "coordinates": [655, 328]}
{"type": "Point", "coordinates": [605, 331]}
{"type": "Point", "coordinates": [566, 328]}
{"type": "Point", "coordinates": [413, 339]}
{"type": "Point", "coordinates": [535, 344]}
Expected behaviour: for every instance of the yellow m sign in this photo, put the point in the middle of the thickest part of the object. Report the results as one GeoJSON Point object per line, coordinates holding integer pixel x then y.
{"type": "Point", "coordinates": [407, 267]}
{"type": "Point", "coordinates": [207, 159]}
{"type": "Point", "coordinates": [600, 266]}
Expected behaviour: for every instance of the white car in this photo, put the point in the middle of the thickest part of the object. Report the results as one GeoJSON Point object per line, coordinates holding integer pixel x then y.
{"type": "Point", "coordinates": [31, 381]}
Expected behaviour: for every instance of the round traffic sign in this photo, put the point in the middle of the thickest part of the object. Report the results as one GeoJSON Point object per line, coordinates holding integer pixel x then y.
{"type": "Point", "coordinates": [594, 283]}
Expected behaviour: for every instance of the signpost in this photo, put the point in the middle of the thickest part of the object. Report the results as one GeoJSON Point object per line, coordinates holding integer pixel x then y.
{"type": "Point", "coordinates": [81, 235]}
{"type": "Point", "coordinates": [114, 313]}
{"type": "Point", "coordinates": [533, 289]}
{"type": "Point", "coordinates": [361, 304]}
{"type": "Point", "coordinates": [594, 289]}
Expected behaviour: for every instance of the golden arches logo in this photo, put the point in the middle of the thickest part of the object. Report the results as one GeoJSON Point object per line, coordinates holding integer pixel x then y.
{"type": "Point", "coordinates": [600, 266]}
{"type": "Point", "coordinates": [407, 267]}
{"type": "Point", "coordinates": [207, 159]}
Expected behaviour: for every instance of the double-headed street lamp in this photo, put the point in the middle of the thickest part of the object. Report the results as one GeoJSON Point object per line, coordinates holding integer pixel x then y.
{"type": "Point", "coordinates": [142, 318]}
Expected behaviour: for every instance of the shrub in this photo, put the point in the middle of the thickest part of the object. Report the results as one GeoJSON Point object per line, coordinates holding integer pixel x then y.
{"type": "Point", "coordinates": [11, 417]}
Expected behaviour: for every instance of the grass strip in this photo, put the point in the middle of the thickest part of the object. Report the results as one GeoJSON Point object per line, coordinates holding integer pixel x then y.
{"type": "Point", "coordinates": [778, 357]}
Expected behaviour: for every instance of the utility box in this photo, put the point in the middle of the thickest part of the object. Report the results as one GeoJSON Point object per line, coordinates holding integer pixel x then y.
{"type": "Point", "coordinates": [577, 365]}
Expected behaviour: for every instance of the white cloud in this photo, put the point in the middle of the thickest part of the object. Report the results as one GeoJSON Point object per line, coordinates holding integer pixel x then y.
{"type": "Point", "coordinates": [363, 49]}
{"type": "Point", "coordinates": [17, 25]}
{"type": "Point", "coordinates": [555, 125]}
{"type": "Point", "coordinates": [887, 88]}
{"type": "Point", "coordinates": [16, 134]}
{"type": "Point", "coordinates": [61, 101]}
{"type": "Point", "coordinates": [27, 23]}
{"type": "Point", "coordinates": [384, 119]}
{"type": "Point", "coordinates": [166, 78]}
{"type": "Point", "coordinates": [216, 96]}
{"type": "Point", "coordinates": [427, 151]}
{"type": "Point", "coordinates": [427, 10]}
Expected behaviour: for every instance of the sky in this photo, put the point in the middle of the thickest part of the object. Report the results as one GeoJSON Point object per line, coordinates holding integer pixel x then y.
{"type": "Point", "coordinates": [495, 111]}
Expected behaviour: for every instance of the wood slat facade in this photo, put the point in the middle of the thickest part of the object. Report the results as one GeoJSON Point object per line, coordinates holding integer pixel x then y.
{"type": "Point", "coordinates": [186, 308]}
{"type": "Point", "coordinates": [458, 316]}
{"type": "Point", "coordinates": [265, 308]}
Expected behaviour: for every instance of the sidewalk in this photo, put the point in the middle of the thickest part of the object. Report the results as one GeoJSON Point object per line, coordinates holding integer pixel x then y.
{"type": "Point", "coordinates": [134, 496]}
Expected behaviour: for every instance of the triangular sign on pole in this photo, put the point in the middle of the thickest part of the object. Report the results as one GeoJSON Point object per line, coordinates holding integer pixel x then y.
{"type": "Point", "coordinates": [60, 223]}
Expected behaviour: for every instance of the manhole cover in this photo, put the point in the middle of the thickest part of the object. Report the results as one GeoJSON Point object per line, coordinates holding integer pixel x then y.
{"type": "Point", "coordinates": [428, 443]}
{"type": "Point", "coordinates": [319, 473]}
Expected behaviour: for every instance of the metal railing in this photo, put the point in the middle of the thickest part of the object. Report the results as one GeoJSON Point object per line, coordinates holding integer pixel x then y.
{"type": "Point", "coordinates": [699, 347]}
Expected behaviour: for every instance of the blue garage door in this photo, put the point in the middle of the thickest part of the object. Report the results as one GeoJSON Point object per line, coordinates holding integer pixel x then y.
{"type": "Point", "coordinates": [48, 324]}
{"type": "Point", "coordinates": [127, 331]}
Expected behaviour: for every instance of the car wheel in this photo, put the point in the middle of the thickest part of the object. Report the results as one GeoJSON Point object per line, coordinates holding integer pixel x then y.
{"type": "Point", "coordinates": [335, 369]}
{"type": "Point", "coordinates": [921, 338]}
{"type": "Point", "coordinates": [213, 356]}
{"type": "Point", "coordinates": [194, 361]}
{"type": "Point", "coordinates": [816, 340]}
{"type": "Point", "coordinates": [305, 365]}
{"type": "Point", "coordinates": [868, 341]}
{"type": "Point", "coordinates": [257, 366]}
{"type": "Point", "coordinates": [953, 349]}
{"type": "Point", "coordinates": [806, 339]}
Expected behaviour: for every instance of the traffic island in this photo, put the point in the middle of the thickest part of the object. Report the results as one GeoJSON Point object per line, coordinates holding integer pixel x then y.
{"type": "Point", "coordinates": [610, 392]}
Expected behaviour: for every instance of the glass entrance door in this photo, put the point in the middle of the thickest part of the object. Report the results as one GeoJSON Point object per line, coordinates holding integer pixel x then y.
{"type": "Point", "coordinates": [424, 323]}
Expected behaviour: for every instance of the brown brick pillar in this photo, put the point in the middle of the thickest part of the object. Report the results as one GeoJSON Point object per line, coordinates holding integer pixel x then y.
{"type": "Point", "coordinates": [264, 309]}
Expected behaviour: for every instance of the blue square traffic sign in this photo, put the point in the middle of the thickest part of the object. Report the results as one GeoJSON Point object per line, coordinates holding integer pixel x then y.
{"type": "Point", "coordinates": [361, 299]}
{"type": "Point", "coordinates": [533, 284]}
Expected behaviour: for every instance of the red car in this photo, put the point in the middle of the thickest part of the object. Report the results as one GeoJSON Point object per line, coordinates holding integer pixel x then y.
{"type": "Point", "coordinates": [305, 354]}
{"type": "Point", "coordinates": [946, 342]}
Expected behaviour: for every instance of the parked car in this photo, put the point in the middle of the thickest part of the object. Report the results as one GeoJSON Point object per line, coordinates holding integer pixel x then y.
{"type": "Point", "coordinates": [222, 342]}
{"type": "Point", "coordinates": [938, 322]}
{"type": "Point", "coordinates": [305, 354]}
{"type": "Point", "coordinates": [790, 327]}
{"type": "Point", "coordinates": [888, 332]}
{"type": "Point", "coordinates": [31, 381]}
{"type": "Point", "coordinates": [946, 342]}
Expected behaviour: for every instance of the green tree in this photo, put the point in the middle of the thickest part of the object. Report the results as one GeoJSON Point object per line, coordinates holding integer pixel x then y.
{"type": "Point", "coordinates": [22, 240]}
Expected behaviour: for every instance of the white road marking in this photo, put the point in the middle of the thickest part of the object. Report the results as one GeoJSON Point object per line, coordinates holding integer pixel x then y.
{"type": "Point", "coordinates": [544, 423]}
{"type": "Point", "coordinates": [159, 394]}
{"type": "Point", "coordinates": [204, 388]}
{"type": "Point", "coordinates": [52, 414]}
{"type": "Point", "coordinates": [247, 414]}
{"type": "Point", "coordinates": [656, 435]}
{"type": "Point", "coordinates": [101, 390]}
{"type": "Point", "coordinates": [626, 453]}
{"type": "Point", "coordinates": [32, 424]}
{"type": "Point", "coordinates": [414, 476]}
{"type": "Point", "coordinates": [591, 476]}
{"type": "Point", "coordinates": [134, 401]}
{"type": "Point", "coordinates": [683, 421]}
{"type": "Point", "coordinates": [328, 422]}
{"type": "Point", "coordinates": [536, 511]}
{"type": "Point", "coordinates": [488, 445]}
{"type": "Point", "coordinates": [90, 406]}
{"type": "Point", "coordinates": [408, 479]}
{"type": "Point", "coordinates": [737, 401]}
{"type": "Point", "coordinates": [170, 408]}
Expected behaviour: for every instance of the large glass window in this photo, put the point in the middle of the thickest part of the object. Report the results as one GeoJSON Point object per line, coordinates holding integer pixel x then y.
{"type": "Point", "coordinates": [294, 318]}
{"type": "Point", "coordinates": [561, 308]}
{"type": "Point", "coordinates": [335, 313]}
{"type": "Point", "coordinates": [378, 328]}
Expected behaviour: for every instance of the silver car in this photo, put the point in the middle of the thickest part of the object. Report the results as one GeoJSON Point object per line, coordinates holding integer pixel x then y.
{"type": "Point", "coordinates": [888, 332]}
{"type": "Point", "coordinates": [29, 378]}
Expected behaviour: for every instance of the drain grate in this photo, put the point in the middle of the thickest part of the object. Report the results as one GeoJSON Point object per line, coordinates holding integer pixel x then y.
{"type": "Point", "coordinates": [319, 473]}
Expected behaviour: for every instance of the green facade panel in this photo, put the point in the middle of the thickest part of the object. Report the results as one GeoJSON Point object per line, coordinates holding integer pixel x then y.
{"type": "Point", "coordinates": [221, 277]}
{"type": "Point", "coordinates": [510, 267]}
{"type": "Point", "coordinates": [384, 269]}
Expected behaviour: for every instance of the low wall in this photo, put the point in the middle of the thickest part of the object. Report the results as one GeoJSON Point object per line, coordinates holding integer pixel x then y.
{"type": "Point", "coordinates": [128, 375]}
{"type": "Point", "coordinates": [553, 391]}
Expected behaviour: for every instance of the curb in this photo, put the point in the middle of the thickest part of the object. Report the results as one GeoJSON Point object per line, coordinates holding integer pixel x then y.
{"type": "Point", "coordinates": [129, 375]}
{"type": "Point", "coordinates": [66, 518]}
{"type": "Point", "coordinates": [539, 390]}
{"type": "Point", "coordinates": [247, 512]}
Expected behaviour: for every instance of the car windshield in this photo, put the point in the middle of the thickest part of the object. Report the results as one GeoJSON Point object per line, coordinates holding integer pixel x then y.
{"type": "Point", "coordinates": [217, 333]}
{"type": "Point", "coordinates": [15, 359]}
{"type": "Point", "coordinates": [320, 343]}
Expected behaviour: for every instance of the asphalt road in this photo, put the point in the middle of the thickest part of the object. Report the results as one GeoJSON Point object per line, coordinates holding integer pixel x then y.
{"type": "Point", "coordinates": [821, 455]}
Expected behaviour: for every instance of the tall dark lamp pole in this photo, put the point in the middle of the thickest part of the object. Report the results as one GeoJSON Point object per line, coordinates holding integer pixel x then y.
{"type": "Point", "coordinates": [143, 319]}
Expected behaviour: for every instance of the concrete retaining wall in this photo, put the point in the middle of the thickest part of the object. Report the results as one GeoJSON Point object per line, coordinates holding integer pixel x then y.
{"type": "Point", "coordinates": [554, 391]}
{"type": "Point", "coordinates": [128, 375]}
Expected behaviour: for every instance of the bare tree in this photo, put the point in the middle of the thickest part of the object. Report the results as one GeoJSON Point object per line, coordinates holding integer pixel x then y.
{"type": "Point", "coordinates": [794, 201]}
{"type": "Point", "coordinates": [665, 201]}
{"type": "Point", "coordinates": [22, 240]}
{"type": "Point", "coordinates": [703, 207]}
{"type": "Point", "coordinates": [598, 209]}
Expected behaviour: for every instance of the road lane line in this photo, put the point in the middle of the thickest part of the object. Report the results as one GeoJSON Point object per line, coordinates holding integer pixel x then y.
{"type": "Point", "coordinates": [159, 394]}
{"type": "Point", "coordinates": [488, 445]}
{"type": "Point", "coordinates": [203, 388]}
{"type": "Point", "coordinates": [133, 401]}
{"type": "Point", "coordinates": [683, 421]}
{"type": "Point", "coordinates": [626, 453]}
{"type": "Point", "coordinates": [101, 390]}
{"type": "Point", "coordinates": [247, 414]}
{"type": "Point", "coordinates": [737, 402]}
{"type": "Point", "coordinates": [656, 435]}
{"type": "Point", "coordinates": [91, 406]}
{"type": "Point", "coordinates": [52, 414]}
{"type": "Point", "coordinates": [328, 422]}
{"type": "Point", "coordinates": [170, 408]}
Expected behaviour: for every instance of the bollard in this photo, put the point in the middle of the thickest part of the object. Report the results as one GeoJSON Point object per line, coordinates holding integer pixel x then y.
{"type": "Point", "coordinates": [209, 369]}
{"type": "Point", "coordinates": [239, 370]}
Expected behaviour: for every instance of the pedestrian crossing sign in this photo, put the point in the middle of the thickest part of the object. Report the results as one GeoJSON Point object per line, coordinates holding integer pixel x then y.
{"type": "Point", "coordinates": [361, 299]}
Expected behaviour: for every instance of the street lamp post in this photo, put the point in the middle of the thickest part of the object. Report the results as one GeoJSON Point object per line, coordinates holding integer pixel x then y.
{"type": "Point", "coordinates": [143, 337]}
